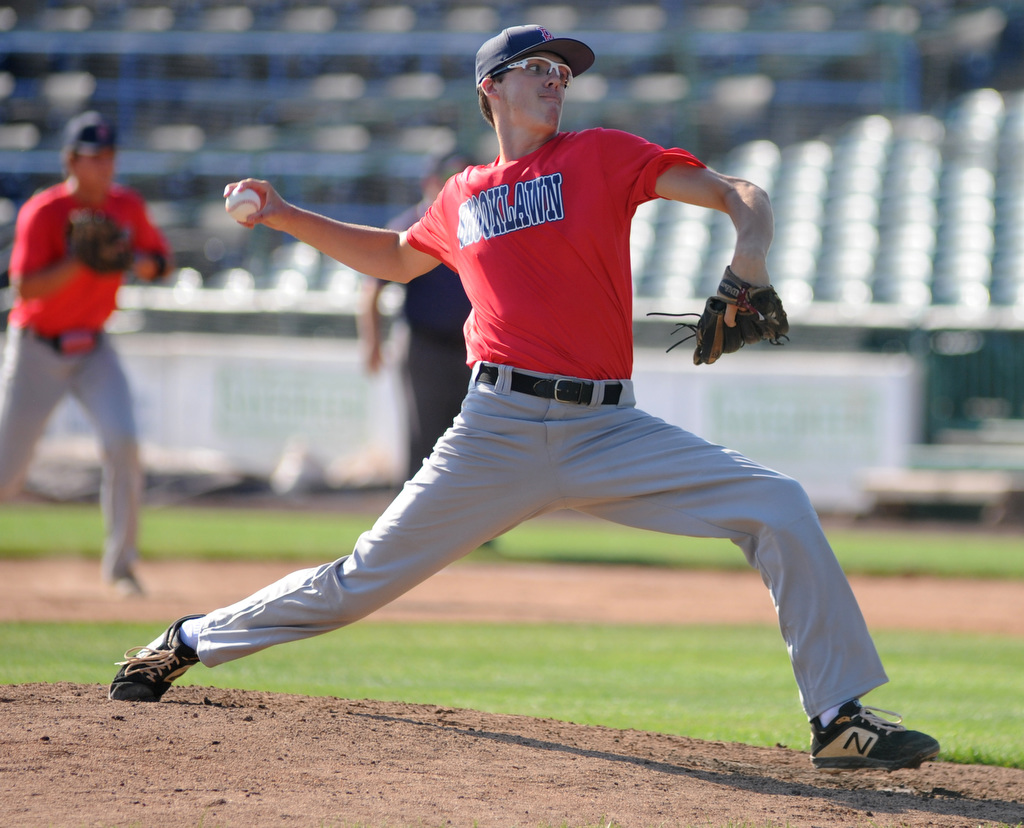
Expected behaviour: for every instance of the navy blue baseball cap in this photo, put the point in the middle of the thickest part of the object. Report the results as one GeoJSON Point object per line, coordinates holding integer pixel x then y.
{"type": "Point", "coordinates": [89, 134]}
{"type": "Point", "coordinates": [524, 40]}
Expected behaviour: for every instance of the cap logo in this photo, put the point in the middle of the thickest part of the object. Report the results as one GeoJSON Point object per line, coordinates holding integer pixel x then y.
{"type": "Point", "coordinates": [545, 33]}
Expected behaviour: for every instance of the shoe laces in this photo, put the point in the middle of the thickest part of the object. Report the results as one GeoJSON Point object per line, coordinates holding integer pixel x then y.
{"type": "Point", "coordinates": [151, 663]}
{"type": "Point", "coordinates": [870, 715]}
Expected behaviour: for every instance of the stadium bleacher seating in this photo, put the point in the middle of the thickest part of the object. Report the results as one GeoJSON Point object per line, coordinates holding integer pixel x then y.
{"type": "Point", "coordinates": [889, 135]}
{"type": "Point", "coordinates": [888, 195]}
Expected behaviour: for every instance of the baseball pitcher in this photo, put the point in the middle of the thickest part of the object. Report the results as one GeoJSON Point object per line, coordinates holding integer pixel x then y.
{"type": "Point", "coordinates": [540, 239]}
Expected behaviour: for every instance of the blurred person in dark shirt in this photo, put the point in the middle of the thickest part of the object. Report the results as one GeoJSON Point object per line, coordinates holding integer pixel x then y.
{"type": "Point", "coordinates": [432, 352]}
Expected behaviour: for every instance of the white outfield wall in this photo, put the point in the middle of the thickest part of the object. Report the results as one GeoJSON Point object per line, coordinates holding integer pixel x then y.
{"type": "Point", "coordinates": [822, 418]}
{"type": "Point", "coordinates": [236, 402]}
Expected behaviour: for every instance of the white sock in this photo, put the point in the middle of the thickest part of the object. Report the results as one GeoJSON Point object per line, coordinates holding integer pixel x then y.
{"type": "Point", "coordinates": [189, 632]}
{"type": "Point", "coordinates": [830, 714]}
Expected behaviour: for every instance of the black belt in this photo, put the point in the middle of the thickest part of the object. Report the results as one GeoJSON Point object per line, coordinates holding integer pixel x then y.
{"type": "Point", "coordinates": [579, 392]}
{"type": "Point", "coordinates": [71, 342]}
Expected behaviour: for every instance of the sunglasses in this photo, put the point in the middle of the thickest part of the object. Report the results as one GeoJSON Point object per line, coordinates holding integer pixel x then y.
{"type": "Point", "coordinates": [539, 67]}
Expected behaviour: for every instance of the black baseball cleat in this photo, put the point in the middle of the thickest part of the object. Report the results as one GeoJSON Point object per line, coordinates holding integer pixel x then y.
{"type": "Point", "coordinates": [858, 739]}
{"type": "Point", "coordinates": [146, 673]}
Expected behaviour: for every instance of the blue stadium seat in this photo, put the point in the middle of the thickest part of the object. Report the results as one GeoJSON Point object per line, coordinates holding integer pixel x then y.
{"type": "Point", "coordinates": [233, 18]}
{"type": "Point", "coordinates": [643, 241]}
{"type": "Point", "coordinates": [148, 19]}
{"type": "Point", "coordinates": [309, 18]}
{"type": "Point", "coordinates": [682, 243]}
{"type": "Point", "coordinates": [482, 19]}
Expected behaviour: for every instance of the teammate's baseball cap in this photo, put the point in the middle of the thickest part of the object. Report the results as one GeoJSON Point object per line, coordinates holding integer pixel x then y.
{"type": "Point", "coordinates": [523, 40]}
{"type": "Point", "coordinates": [89, 134]}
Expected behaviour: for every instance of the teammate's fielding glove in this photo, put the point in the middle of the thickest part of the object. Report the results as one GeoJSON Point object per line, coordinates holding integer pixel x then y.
{"type": "Point", "coordinates": [98, 243]}
{"type": "Point", "coordinates": [759, 315]}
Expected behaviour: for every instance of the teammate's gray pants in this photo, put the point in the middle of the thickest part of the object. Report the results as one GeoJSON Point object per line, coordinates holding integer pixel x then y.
{"type": "Point", "coordinates": [509, 457]}
{"type": "Point", "coordinates": [33, 380]}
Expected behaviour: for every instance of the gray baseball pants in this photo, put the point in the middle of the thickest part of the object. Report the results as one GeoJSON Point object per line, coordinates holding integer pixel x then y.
{"type": "Point", "coordinates": [509, 457]}
{"type": "Point", "coordinates": [33, 380]}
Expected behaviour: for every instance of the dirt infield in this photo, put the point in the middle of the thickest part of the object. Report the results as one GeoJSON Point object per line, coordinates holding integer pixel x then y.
{"type": "Point", "coordinates": [224, 758]}
{"type": "Point", "coordinates": [68, 589]}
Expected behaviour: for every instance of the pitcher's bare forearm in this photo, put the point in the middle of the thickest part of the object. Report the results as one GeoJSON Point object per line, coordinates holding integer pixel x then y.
{"type": "Point", "coordinates": [370, 250]}
{"type": "Point", "coordinates": [751, 213]}
{"type": "Point", "coordinates": [374, 251]}
{"type": "Point", "coordinates": [746, 204]}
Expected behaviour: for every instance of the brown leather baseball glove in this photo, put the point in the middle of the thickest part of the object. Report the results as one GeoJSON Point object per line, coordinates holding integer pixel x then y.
{"type": "Point", "coordinates": [759, 315]}
{"type": "Point", "coordinates": [99, 243]}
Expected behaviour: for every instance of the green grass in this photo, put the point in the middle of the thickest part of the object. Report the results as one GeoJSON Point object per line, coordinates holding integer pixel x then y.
{"type": "Point", "coordinates": [726, 683]}
{"type": "Point", "coordinates": [29, 530]}
{"type": "Point", "coordinates": [721, 683]}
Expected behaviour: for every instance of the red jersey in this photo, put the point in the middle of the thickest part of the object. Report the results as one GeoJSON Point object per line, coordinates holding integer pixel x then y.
{"type": "Point", "coordinates": [89, 298]}
{"type": "Point", "coordinates": [542, 246]}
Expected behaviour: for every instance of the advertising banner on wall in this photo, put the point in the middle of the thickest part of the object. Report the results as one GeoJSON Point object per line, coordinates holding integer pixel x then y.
{"type": "Point", "coordinates": [821, 418]}
{"type": "Point", "coordinates": [242, 403]}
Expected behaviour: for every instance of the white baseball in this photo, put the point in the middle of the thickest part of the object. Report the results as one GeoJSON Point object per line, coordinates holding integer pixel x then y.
{"type": "Point", "coordinates": [242, 203]}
